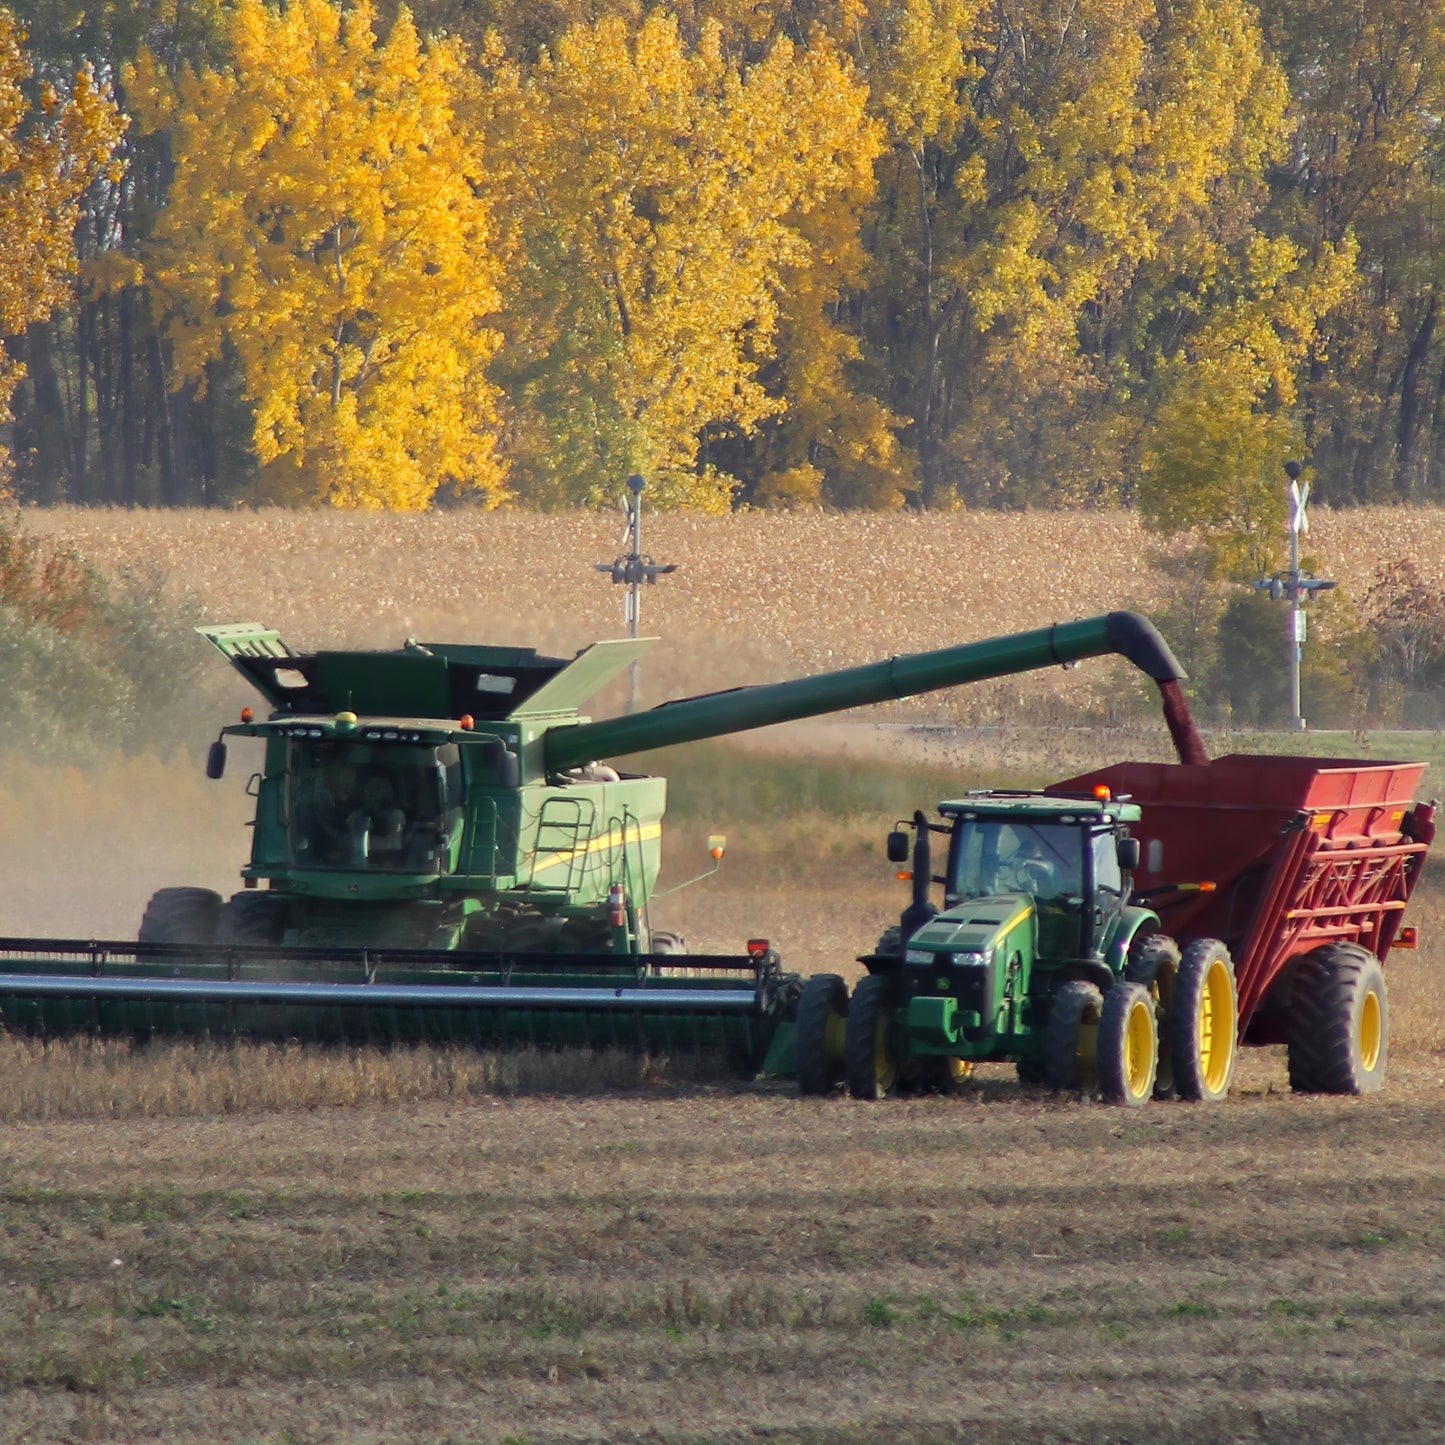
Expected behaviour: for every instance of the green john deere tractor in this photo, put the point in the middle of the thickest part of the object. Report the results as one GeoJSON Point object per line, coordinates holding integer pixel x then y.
{"type": "Point", "coordinates": [1038, 958]}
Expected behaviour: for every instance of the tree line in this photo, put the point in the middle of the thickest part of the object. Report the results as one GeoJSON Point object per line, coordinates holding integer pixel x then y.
{"type": "Point", "coordinates": [858, 253]}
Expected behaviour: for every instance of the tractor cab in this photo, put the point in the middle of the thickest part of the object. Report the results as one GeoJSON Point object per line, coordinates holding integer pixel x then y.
{"type": "Point", "coordinates": [1035, 891]}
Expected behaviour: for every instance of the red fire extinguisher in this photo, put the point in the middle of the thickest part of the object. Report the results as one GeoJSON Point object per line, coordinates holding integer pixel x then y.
{"type": "Point", "coordinates": [616, 906]}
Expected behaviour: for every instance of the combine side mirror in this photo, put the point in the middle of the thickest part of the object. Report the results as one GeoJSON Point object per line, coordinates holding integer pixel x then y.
{"type": "Point", "coordinates": [216, 760]}
{"type": "Point", "coordinates": [1128, 854]}
{"type": "Point", "coordinates": [499, 756]}
{"type": "Point", "coordinates": [898, 848]}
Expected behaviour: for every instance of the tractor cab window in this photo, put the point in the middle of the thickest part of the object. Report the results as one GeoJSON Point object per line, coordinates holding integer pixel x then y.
{"type": "Point", "coordinates": [376, 806]}
{"type": "Point", "coordinates": [1107, 877]}
{"type": "Point", "coordinates": [994, 855]}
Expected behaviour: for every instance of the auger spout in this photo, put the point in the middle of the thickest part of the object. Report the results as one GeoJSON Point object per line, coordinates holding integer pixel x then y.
{"type": "Point", "coordinates": [691, 719]}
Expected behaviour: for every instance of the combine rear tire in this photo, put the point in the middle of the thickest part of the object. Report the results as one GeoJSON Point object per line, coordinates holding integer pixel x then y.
{"type": "Point", "coordinates": [256, 918]}
{"type": "Point", "coordinates": [1204, 1022]}
{"type": "Point", "coordinates": [1128, 1050]}
{"type": "Point", "coordinates": [868, 1049]}
{"type": "Point", "coordinates": [1073, 1031]}
{"type": "Point", "coordinates": [181, 915]}
{"type": "Point", "coordinates": [822, 1022]}
{"type": "Point", "coordinates": [1339, 1027]}
{"type": "Point", "coordinates": [1154, 964]}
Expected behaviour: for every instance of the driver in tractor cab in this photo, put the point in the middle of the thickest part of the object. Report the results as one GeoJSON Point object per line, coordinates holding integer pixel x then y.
{"type": "Point", "coordinates": [1030, 870]}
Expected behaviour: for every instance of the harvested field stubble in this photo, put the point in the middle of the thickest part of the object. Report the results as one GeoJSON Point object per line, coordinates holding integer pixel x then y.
{"type": "Point", "coordinates": [725, 1268]}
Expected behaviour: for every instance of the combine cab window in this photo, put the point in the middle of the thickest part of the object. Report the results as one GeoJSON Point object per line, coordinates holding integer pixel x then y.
{"type": "Point", "coordinates": [990, 855]}
{"type": "Point", "coordinates": [382, 807]}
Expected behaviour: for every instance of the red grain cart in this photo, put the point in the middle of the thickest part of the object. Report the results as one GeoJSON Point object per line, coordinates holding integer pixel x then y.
{"type": "Point", "coordinates": [1302, 867]}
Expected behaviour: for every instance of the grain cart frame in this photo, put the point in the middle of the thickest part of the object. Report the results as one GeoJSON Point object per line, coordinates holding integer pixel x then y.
{"type": "Point", "coordinates": [497, 888]}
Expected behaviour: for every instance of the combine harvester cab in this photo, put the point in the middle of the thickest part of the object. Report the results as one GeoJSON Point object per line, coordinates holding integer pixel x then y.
{"type": "Point", "coordinates": [1301, 867]}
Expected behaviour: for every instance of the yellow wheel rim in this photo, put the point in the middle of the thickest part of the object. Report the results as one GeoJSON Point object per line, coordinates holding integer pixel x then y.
{"type": "Point", "coordinates": [835, 1034]}
{"type": "Point", "coordinates": [1139, 1051]}
{"type": "Point", "coordinates": [885, 1069]}
{"type": "Point", "coordinates": [1372, 1032]}
{"type": "Point", "coordinates": [957, 1070]}
{"type": "Point", "coordinates": [1216, 1027]}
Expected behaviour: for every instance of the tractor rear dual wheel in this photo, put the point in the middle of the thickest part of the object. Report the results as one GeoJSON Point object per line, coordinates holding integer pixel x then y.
{"type": "Point", "coordinates": [1339, 1027]}
{"type": "Point", "coordinates": [820, 1031]}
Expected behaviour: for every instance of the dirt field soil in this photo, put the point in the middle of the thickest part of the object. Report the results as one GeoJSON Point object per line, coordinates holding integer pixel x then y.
{"type": "Point", "coordinates": [729, 1266]}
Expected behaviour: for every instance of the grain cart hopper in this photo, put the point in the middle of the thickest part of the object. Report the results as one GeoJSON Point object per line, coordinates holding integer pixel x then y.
{"type": "Point", "coordinates": [1126, 928]}
{"type": "Point", "coordinates": [436, 853]}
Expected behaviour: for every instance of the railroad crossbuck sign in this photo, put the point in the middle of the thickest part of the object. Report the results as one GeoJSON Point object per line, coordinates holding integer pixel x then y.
{"type": "Point", "coordinates": [1298, 499]}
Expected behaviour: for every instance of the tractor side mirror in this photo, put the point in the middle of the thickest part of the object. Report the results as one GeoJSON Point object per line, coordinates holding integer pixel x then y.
{"type": "Point", "coordinates": [216, 760]}
{"type": "Point", "coordinates": [1128, 854]}
{"type": "Point", "coordinates": [898, 849]}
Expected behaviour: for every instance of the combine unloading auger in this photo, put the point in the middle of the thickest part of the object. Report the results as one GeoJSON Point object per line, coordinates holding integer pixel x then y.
{"type": "Point", "coordinates": [438, 854]}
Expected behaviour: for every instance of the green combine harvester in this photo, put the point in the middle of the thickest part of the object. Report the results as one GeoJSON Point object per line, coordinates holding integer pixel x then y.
{"type": "Point", "coordinates": [438, 853]}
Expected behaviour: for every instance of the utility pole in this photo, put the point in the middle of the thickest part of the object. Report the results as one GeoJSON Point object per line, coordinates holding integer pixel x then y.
{"type": "Point", "coordinates": [1296, 587]}
{"type": "Point", "coordinates": [634, 569]}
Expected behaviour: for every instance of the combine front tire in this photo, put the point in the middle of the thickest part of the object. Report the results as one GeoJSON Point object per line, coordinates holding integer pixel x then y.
{"type": "Point", "coordinates": [1204, 1022]}
{"type": "Point", "coordinates": [1072, 1036]}
{"type": "Point", "coordinates": [1154, 964]}
{"type": "Point", "coordinates": [822, 1023]}
{"type": "Point", "coordinates": [181, 915]}
{"type": "Point", "coordinates": [872, 1065]}
{"type": "Point", "coordinates": [256, 918]}
{"type": "Point", "coordinates": [1339, 1028]}
{"type": "Point", "coordinates": [1128, 1049]}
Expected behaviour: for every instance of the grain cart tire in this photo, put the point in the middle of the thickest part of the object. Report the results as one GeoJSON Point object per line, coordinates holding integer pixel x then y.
{"type": "Point", "coordinates": [1339, 1027]}
{"type": "Point", "coordinates": [1128, 1050]}
{"type": "Point", "coordinates": [871, 1064]}
{"type": "Point", "coordinates": [1073, 1018]}
{"type": "Point", "coordinates": [822, 1021]}
{"type": "Point", "coordinates": [256, 918]}
{"type": "Point", "coordinates": [1154, 963]}
{"type": "Point", "coordinates": [1204, 1022]}
{"type": "Point", "coordinates": [181, 915]}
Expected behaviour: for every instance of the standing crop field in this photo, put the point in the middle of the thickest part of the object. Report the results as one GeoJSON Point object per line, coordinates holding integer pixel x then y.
{"type": "Point", "coordinates": [207, 1243]}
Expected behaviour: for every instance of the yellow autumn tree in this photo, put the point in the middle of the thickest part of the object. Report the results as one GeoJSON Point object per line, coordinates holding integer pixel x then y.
{"type": "Point", "coordinates": [47, 161]}
{"type": "Point", "coordinates": [663, 195]}
{"type": "Point", "coordinates": [325, 224]}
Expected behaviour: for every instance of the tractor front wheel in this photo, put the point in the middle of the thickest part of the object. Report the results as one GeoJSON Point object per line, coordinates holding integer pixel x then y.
{"type": "Point", "coordinates": [181, 915]}
{"type": "Point", "coordinates": [1154, 964]}
{"type": "Point", "coordinates": [1339, 1027]}
{"type": "Point", "coordinates": [1072, 1035]}
{"type": "Point", "coordinates": [1128, 1050]}
{"type": "Point", "coordinates": [1204, 1022]}
{"type": "Point", "coordinates": [868, 1046]}
{"type": "Point", "coordinates": [821, 1027]}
